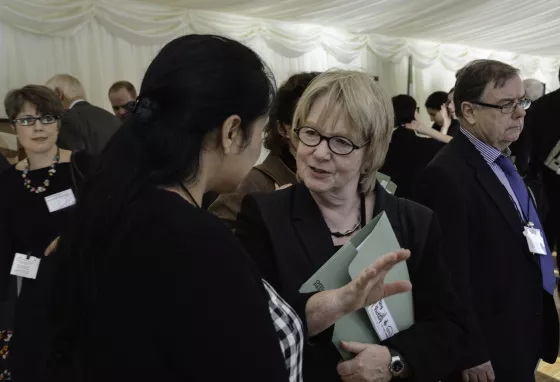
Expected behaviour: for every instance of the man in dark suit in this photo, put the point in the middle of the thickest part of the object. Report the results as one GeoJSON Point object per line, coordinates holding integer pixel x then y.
{"type": "Point", "coordinates": [488, 218]}
{"type": "Point", "coordinates": [83, 126]}
{"type": "Point", "coordinates": [543, 124]}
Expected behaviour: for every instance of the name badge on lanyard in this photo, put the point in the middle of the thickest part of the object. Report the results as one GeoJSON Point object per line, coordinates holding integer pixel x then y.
{"type": "Point", "coordinates": [60, 200]}
{"type": "Point", "coordinates": [535, 240]}
{"type": "Point", "coordinates": [25, 266]}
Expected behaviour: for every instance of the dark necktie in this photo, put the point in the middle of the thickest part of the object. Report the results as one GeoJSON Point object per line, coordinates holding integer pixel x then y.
{"type": "Point", "coordinates": [529, 211]}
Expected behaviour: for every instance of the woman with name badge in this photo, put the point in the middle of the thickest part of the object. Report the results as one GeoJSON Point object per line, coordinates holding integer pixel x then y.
{"type": "Point", "coordinates": [35, 196]}
{"type": "Point", "coordinates": [343, 123]}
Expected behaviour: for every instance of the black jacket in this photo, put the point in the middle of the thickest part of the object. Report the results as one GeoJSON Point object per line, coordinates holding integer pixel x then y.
{"type": "Point", "coordinates": [512, 320]}
{"type": "Point", "coordinates": [86, 127]}
{"type": "Point", "coordinates": [286, 235]}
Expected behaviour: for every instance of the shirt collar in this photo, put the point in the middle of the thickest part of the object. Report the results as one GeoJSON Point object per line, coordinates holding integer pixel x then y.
{"type": "Point", "coordinates": [489, 153]}
{"type": "Point", "coordinates": [75, 102]}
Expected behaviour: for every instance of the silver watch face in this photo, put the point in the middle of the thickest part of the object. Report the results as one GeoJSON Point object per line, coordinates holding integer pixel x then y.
{"type": "Point", "coordinates": [397, 367]}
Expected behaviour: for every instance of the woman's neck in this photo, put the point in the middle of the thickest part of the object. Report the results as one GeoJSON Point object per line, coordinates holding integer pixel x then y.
{"type": "Point", "coordinates": [41, 160]}
{"type": "Point", "coordinates": [341, 211]}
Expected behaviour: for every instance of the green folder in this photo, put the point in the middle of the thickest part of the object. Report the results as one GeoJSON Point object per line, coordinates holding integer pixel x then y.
{"type": "Point", "coordinates": [385, 181]}
{"type": "Point", "coordinates": [370, 243]}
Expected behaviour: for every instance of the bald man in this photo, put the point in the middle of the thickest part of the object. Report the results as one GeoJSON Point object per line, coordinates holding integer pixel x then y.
{"type": "Point", "coordinates": [84, 127]}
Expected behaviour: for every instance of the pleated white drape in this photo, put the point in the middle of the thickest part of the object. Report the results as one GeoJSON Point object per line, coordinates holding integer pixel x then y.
{"type": "Point", "coordinates": [102, 41]}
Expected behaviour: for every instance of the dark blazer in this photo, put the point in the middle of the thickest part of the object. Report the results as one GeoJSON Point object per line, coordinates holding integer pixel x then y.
{"type": "Point", "coordinates": [285, 233]}
{"type": "Point", "coordinates": [512, 320]}
{"type": "Point", "coordinates": [86, 127]}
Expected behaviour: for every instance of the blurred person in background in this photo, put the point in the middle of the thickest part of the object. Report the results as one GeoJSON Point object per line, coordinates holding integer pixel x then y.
{"type": "Point", "coordinates": [121, 94]}
{"type": "Point", "coordinates": [279, 167]}
{"type": "Point", "coordinates": [35, 199]}
{"type": "Point", "coordinates": [84, 127]}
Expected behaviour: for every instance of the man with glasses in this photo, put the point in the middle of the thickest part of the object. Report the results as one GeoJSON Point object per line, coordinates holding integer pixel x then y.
{"type": "Point", "coordinates": [500, 262]}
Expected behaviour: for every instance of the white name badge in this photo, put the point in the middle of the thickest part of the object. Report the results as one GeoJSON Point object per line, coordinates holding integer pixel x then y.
{"type": "Point", "coordinates": [382, 320]}
{"type": "Point", "coordinates": [25, 266]}
{"type": "Point", "coordinates": [60, 201]}
{"type": "Point", "coordinates": [535, 240]}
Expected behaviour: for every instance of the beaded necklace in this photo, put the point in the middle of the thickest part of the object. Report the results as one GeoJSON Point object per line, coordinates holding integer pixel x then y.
{"type": "Point", "coordinates": [46, 183]}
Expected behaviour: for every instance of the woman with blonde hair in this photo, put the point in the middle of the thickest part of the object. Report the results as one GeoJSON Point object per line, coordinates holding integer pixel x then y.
{"type": "Point", "coordinates": [343, 124]}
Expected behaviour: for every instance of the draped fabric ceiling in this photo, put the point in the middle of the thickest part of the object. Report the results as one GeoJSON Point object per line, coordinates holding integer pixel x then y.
{"type": "Point", "coordinates": [121, 36]}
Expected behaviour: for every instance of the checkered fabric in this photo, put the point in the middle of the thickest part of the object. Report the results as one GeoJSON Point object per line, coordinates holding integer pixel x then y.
{"type": "Point", "coordinates": [289, 329]}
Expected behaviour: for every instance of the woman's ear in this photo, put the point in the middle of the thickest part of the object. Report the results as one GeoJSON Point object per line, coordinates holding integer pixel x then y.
{"type": "Point", "coordinates": [231, 134]}
{"type": "Point", "coordinates": [283, 129]}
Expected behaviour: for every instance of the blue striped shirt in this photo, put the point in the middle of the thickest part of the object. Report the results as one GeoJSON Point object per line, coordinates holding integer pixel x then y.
{"type": "Point", "coordinates": [490, 155]}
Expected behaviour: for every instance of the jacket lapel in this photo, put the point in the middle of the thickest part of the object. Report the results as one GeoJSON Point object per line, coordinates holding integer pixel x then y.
{"type": "Point", "coordinates": [310, 227]}
{"type": "Point", "coordinates": [495, 189]}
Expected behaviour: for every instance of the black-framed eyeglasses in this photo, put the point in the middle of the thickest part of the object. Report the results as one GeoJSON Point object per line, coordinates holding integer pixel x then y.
{"type": "Point", "coordinates": [509, 107]}
{"type": "Point", "coordinates": [337, 144]}
{"type": "Point", "coordinates": [30, 121]}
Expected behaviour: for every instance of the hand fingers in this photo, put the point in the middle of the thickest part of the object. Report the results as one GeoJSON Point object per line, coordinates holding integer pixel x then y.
{"type": "Point", "coordinates": [353, 347]}
{"type": "Point", "coordinates": [346, 368]}
{"type": "Point", "coordinates": [490, 375]}
{"type": "Point", "coordinates": [389, 260]}
{"type": "Point", "coordinates": [397, 287]}
{"type": "Point", "coordinates": [465, 376]}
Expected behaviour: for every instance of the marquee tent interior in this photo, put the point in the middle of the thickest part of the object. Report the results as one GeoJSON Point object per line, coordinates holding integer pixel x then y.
{"type": "Point", "coordinates": [102, 41]}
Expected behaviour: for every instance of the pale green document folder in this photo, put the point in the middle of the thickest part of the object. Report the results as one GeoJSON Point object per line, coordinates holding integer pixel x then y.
{"type": "Point", "coordinates": [385, 181]}
{"type": "Point", "coordinates": [370, 243]}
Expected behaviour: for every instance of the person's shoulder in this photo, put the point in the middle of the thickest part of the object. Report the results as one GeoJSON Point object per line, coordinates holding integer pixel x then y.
{"type": "Point", "coordinates": [256, 181]}
{"type": "Point", "coordinates": [10, 180]}
{"type": "Point", "coordinates": [171, 209]}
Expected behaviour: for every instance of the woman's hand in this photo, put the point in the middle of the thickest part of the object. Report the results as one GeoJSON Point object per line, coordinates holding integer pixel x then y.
{"type": "Point", "coordinates": [371, 363]}
{"type": "Point", "coordinates": [369, 287]}
{"type": "Point", "coordinates": [419, 127]}
{"type": "Point", "coordinates": [52, 247]}
{"type": "Point", "coordinates": [446, 119]}
{"type": "Point", "coordinates": [323, 309]}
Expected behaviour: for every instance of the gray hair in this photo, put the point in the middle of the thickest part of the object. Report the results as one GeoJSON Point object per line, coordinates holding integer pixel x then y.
{"type": "Point", "coordinates": [69, 85]}
{"type": "Point", "coordinates": [534, 89]}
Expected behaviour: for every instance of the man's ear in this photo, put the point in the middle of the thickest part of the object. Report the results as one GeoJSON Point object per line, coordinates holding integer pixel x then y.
{"type": "Point", "coordinates": [468, 112]}
{"type": "Point", "coordinates": [231, 134]}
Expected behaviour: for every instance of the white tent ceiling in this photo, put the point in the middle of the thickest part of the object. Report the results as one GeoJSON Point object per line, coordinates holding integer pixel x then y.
{"type": "Point", "coordinates": [530, 27]}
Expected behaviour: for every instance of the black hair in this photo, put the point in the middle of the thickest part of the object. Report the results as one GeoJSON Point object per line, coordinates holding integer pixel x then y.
{"type": "Point", "coordinates": [191, 87]}
{"type": "Point", "coordinates": [42, 98]}
{"type": "Point", "coordinates": [283, 107]}
{"type": "Point", "coordinates": [435, 100]}
{"type": "Point", "coordinates": [405, 109]}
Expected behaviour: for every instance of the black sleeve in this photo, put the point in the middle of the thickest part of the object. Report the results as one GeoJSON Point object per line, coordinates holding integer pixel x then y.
{"type": "Point", "coordinates": [253, 234]}
{"type": "Point", "coordinates": [214, 302]}
{"type": "Point", "coordinates": [441, 192]}
{"type": "Point", "coordinates": [432, 346]}
{"type": "Point", "coordinates": [70, 136]}
{"type": "Point", "coordinates": [4, 164]}
{"type": "Point", "coordinates": [7, 251]}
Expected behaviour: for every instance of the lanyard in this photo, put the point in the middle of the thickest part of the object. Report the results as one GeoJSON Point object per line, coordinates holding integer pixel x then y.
{"type": "Point", "coordinates": [526, 220]}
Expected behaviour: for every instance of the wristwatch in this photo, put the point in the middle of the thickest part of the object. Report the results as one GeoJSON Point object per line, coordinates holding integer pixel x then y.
{"type": "Point", "coordinates": [397, 366]}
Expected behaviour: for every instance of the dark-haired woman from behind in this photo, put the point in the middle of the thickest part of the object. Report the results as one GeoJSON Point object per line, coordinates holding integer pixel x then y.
{"type": "Point", "coordinates": [158, 289]}
{"type": "Point", "coordinates": [279, 167]}
{"type": "Point", "coordinates": [408, 152]}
